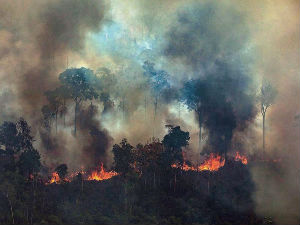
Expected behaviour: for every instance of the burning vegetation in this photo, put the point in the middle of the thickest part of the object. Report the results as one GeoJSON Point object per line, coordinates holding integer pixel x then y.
{"type": "Point", "coordinates": [190, 78]}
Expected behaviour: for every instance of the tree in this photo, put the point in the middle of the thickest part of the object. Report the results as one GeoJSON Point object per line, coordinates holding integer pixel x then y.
{"type": "Point", "coordinates": [64, 96]}
{"type": "Point", "coordinates": [157, 80]}
{"type": "Point", "coordinates": [62, 171]}
{"type": "Point", "coordinates": [55, 103]}
{"type": "Point", "coordinates": [267, 97]}
{"type": "Point", "coordinates": [192, 97]}
{"type": "Point", "coordinates": [15, 137]}
{"type": "Point", "coordinates": [123, 157]}
{"type": "Point", "coordinates": [79, 89]}
{"type": "Point", "coordinates": [29, 162]}
{"type": "Point", "coordinates": [173, 143]}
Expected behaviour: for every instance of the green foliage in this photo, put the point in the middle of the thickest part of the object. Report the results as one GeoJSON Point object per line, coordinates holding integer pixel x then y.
{"type": "Point", "coordinates": [75, 82]}
{"type": "Point", "coordinates": [29, 162]}
{"type": "Point", "coordinates": [15, 136]}
{"type": "Point", "coordinates": [123, 157]}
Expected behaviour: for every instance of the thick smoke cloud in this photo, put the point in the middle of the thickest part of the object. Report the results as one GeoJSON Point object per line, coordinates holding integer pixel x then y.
{"type": "Point", "coordinates": [96, 139]}
{"type": "Point", "coordinates": [38, 36]}
{"type": "Point", "coordinates": [212, 45]}
{"type": "Point", "coordinates": [203, 41]}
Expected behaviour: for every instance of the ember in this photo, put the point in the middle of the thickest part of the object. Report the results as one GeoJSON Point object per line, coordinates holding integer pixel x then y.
{"type": "Point", "coordinates": [241, 158]}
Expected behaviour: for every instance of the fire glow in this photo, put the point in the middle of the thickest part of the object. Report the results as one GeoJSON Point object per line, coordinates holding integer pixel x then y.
{"type": "Point", "coordinates": [55, 178]}
{"type": "Point", "coordinates": [213, 163]}
{"type": "Point", "coordinates": [241, 158]}
{"type": "Point", "coordinates": [97, 175]}
{"type": "Point", "coordinates": [102, 174]}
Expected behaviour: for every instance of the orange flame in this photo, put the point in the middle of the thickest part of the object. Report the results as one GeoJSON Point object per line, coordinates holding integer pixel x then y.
{"type": "Point", "coordinates": [102, 174]}
{"type": "Point", "coordinates": [241, 158]}
{"type": "Point", "coordinates": [213, 163]}
{"type": "Point", "coordinates": [55, 178]}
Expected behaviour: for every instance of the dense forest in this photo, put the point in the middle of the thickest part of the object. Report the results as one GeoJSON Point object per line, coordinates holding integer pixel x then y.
{"type": "Point", "coordinates": [145, 188]}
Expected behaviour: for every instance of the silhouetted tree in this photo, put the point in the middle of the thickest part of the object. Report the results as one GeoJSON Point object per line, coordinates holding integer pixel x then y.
{"type": "Point", "coordinates": [15, 137]}
{"type": "Point", "coordinates": [55, 103]}
{"type": "Point", "coordinates": [29, 162]}
{"type": "Point", "coordinates": [123, 157]}
{"type": "Point", "coordinates": [79, 89]}
{"type": "Point", "coordinates": [266, 97]}
{"type": "Point", "coordinates": [191, 95]}
{"type": "Point", "coordinates": [157, 80]}
{"type": "Point", "coordinates": [62, 171]}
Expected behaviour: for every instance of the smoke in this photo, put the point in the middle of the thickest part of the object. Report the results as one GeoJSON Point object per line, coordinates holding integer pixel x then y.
{"type": "Point", "coordinates": [225, 47]}
{"type": "Point", "coordinates": [38, 36]}
{"type": "Point", "coordinates": [96, 139]}
{"type": "Point", "coordinates": [213, 46]}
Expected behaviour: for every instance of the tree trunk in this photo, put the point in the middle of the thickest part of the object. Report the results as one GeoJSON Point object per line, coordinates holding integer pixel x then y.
{"type": "Point", "coordinates": [155, 107]}
{"type": "Point", "coordinates": [175, 181]}
{"type": "Point", "coordinates": [179, 110]}
{"type": "Point", "coordinates": [200, 135]}
{"type": "Point", "coordinates": [154, 184]}
{"type": "Point", "coordinates": [145, 107]}
{"type": "Point", "coordinates": [56, 122]}
{"type": "Point", "coordinates": [199, 111]}
{"type": "Point", "coordinates": [11, 209]}
{"type": "Point", "coordinates": [264, 141]}
{"type": "Point", "coordinates": [64, 112]}
{"type": "Point", "coordinates": [75, 119]}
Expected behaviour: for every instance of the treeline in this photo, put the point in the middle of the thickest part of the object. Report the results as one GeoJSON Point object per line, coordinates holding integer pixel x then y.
{"type": "Point", "coordinates": [147, 191]}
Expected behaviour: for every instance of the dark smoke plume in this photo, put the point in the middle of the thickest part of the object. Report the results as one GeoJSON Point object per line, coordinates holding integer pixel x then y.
{"type": "Point", "coordinates": [213, 46]}
{"type": "Point", "coordinates": [96, 138]}
{"type": "Point", "coordinates": [57, 28]}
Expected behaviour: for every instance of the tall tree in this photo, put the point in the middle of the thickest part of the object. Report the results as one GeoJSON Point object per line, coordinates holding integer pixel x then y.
{"type": "Point", "coordinates": [55, 103]}
{"type": "Point", "coordinates": [191, 95]}
{"type": "Point", "coordinates": [76, 83]}
{"type": "Point", "coordinates": [123, 157]}
{"type": "Point", "coordinates": [267, 97]}
{"type": "Point", "coordinates": [158, 81]}
{"type": "Point", "coordinates": [29, 162]}
{"type": "Point", "coordinates": [15, 138]}
{"type": "Point", "coordinates": [173, 143]}
{"type": "Point", "coordinates": [64, 96]}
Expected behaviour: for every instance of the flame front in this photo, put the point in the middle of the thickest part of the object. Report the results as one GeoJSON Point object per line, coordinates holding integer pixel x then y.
{"type": "Point", "coordinates": [241, 158]}
{"type": "Point", "coordinates": [102, 174]}
{"type": "Point", "coordinates": [55, 178]}
{"type": "Point", "coordinates": [213, 163]}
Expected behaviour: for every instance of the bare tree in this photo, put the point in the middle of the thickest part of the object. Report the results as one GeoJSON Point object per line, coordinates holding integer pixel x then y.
{"type": "Point", "coordinates": [267, 97]}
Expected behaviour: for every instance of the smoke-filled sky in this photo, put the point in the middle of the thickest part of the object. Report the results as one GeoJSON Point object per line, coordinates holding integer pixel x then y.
{"type": "Point", "coordinates": [223, 48]}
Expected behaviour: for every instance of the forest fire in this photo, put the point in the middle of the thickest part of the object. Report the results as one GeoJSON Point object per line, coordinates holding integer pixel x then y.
{"type": "Point", "coordinates": [102, 174]}
{"type": "Point", "coordinates": [55, 178]}
{"type": "Point", "coordinates": [97, 175]}
{"type": "Point", "coordinates": [241, 158]}
{"type": "Point", "coordinates": [213, 163]}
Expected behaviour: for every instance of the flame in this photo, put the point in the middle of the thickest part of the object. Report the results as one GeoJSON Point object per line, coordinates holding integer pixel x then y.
{"type": "Point", "coordinates": [213, 163]}
{"type": "Point", "coordinates": [102, 174]}
{"type": "Point", "coordinates": [241, 158]}
{"type": "Point", "coordinates": [55, 178]}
